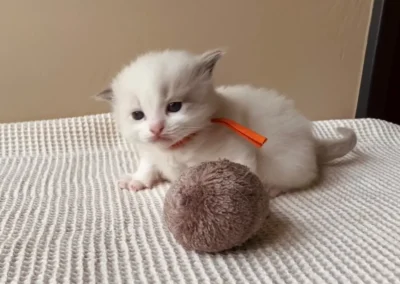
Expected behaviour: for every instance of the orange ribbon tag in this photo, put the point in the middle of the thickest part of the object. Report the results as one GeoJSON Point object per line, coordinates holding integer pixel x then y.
{"type": "Point", "coordinates": [252, 136]}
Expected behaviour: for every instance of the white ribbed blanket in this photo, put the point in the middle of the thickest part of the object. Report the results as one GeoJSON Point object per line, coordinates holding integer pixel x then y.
{"type": "Point", "coordinates": [64, 220]}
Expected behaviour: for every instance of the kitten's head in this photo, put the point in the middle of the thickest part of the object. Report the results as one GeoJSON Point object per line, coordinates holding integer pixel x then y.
{"type": "Point", "coordinates": [162, 97]}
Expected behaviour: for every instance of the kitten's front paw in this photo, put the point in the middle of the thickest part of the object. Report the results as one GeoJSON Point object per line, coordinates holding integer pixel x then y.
{"type": "Point", "coordinates": [274, 192]}
{"type": "Point", "coordinates": [128, 182]}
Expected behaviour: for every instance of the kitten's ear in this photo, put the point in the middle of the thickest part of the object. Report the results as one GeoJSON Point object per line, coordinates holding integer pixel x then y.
{"type": "Point", "coordinates": [207, 62]}
{"type": "Point", "coordinates": [105, 95]}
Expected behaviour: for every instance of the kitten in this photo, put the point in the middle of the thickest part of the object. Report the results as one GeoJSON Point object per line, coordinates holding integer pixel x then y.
{"type": "Point", "coordinates": [164, 101]}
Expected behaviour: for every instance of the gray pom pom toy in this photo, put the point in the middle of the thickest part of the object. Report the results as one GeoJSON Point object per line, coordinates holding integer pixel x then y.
{"type": "Point", "coordinates": [215, 206]}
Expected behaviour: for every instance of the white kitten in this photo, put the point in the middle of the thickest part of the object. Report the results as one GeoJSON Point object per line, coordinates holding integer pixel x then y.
{"type": "Point", "coordinates": [164, 101]}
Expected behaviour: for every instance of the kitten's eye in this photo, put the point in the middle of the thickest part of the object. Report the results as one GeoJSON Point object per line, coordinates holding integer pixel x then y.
{"type": "Point", "coordinates": [137, 115]}
{"type": "Point", "coordinates": [174, 107]}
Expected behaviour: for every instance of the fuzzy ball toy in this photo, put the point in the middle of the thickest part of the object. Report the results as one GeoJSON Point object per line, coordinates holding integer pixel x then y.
{"type": "Point", "coordinates": [215, 206]}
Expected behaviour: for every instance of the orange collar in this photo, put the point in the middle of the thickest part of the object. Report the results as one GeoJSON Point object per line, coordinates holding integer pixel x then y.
{"type": "Point", "coordinates": [182, 142]}
{"type": "Point", "coordinates": [252, 136]}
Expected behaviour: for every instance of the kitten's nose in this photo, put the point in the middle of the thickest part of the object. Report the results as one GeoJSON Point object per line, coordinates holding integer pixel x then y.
{"type": "Point", "coordinates": [157, 128]}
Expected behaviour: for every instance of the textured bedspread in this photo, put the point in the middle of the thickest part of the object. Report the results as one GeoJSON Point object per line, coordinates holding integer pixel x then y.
{"type": "Point", "coordinates": [64, 220]}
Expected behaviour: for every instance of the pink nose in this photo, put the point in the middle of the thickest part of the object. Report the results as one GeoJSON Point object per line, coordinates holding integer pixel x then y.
{"type": "Point", "coordinates": [157, 128]}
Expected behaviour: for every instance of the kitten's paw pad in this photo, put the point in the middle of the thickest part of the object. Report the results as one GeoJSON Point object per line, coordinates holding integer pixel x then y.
{"type": "Point", "coordinates": [130, 184]}
{"type": "Point", "coordinates": [136, 185]}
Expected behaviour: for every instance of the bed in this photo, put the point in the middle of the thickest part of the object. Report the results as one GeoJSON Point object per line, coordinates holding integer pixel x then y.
{"type": "Point", "coordinates": [63, 218]}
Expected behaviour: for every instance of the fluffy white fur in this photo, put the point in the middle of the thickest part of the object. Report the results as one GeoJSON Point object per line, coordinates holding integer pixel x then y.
{"type": "Point", "coordinates": [289, 160]}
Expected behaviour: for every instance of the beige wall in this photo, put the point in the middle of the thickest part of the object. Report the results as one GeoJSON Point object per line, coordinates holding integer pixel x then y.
{"type": "Point", "coordinates": [55, 54]}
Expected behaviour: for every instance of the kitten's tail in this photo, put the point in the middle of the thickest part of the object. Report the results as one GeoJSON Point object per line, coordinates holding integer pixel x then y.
{"type": "Point", "coordinates": [330, 149]}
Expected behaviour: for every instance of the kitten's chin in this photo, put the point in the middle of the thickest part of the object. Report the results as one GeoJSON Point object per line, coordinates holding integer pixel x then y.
{"type": "Point", "coordinates": [168, 144]}
{"type": "Point", "coordinates": [162, 143]}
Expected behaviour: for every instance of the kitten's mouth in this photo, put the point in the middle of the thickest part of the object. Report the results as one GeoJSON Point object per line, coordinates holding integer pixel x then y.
{"type": "Point", "coordinates": [160, 139]}
{"type": "Point", "coordinates": [170, 144]}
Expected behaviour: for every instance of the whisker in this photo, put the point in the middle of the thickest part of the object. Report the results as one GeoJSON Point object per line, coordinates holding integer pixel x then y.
{"type": "Point", "coordinates": [195, 128]}
{"type": "Point", "coordinates": [184, 128]}
{"type": "Point", "coordinates": [179, 131]}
